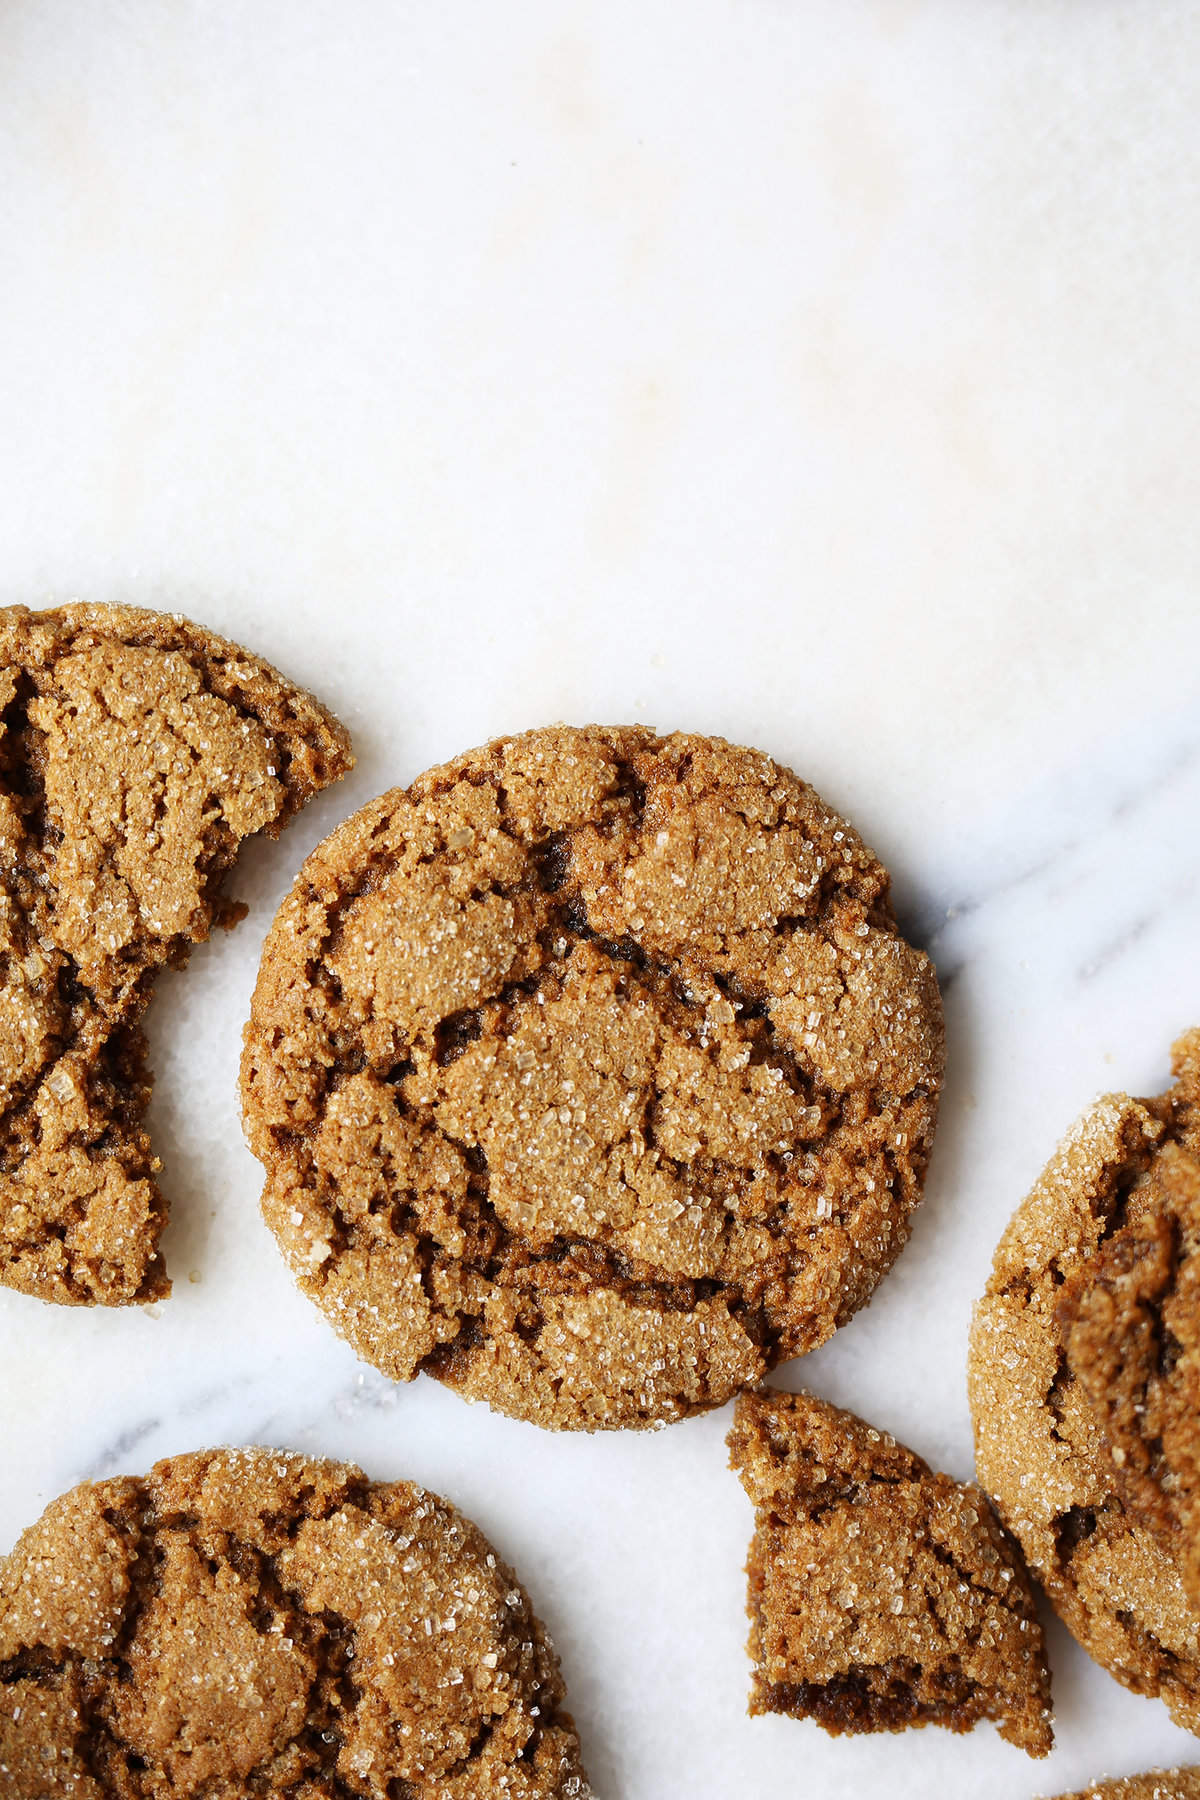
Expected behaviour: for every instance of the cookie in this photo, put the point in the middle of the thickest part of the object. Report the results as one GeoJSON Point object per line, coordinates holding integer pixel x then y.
{"type": "Point", "coordinates": [881, 1595]}
{"type": "Point", "coordinates": [1041, 1418]}
{"type": "Point", "coordinates": [137, 751]}
{"type": "Point", "coordinates": [250, 1622]}
{"type": "Point", "coordinates": [1161, 1784]}
{"type": "Point", "coordinates": [591, 1075]}
{"type": "Point", "coordinates": [1130, 1322]}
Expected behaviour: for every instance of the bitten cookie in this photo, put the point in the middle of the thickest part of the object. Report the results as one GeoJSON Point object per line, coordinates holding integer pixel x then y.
{"type": "Point", "coordinates": [1096, 1267]}
{"type": "Point", "coordinates": [137, 751]}
{"type": "Point", "coordinates": [1161, 1784]}
{"type": "Point", "coordinates": [881, 1595]}
{"type": "Point", "coordinates": [250, 1622]}
{"type": "Point", "coordinates": [591, 1075]}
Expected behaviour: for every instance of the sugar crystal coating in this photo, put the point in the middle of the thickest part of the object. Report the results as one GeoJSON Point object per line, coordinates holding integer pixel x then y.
{"type": "Point", "coordinates": [1045, 1392]}
{"type": "Point", "coordinates": [252, 1622]}
{"type": "Point", "coordinates": [1130, 1318]}
{"type": "Point", "coordinates": [881, 1595]}
{"type": "Point", "coordinates": [137, 751]}
{"type": "Point", "coordinates": [1159, 1784]}
{"type": "Point", "coordinates": [591, 1075]}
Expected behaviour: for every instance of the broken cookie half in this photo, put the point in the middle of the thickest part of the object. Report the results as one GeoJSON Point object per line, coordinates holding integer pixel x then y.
{"type": "Point", "coordinates": [881, 1594]}
{"type": "Point", "coordinates": [137, 752]}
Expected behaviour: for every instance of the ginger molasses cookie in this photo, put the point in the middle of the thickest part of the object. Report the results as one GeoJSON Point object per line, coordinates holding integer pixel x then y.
{"type": "Point", "coordinates": [1095, 1267]}
{"type": "Point", "coordinates": [250, 1622]}
{"type": "Point", "coordinates": [137, 751]}
{"type": "Point", "coordinates": [1159, 1784]}
{"type": "Point", "coordinates": [591, 1075]}
{"type": "Point", "coordinates": [882, 1595]}
{"type": "Point", "coordinates": [1130, 1317]}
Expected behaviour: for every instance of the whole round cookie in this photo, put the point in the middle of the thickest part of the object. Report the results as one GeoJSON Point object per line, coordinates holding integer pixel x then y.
{"type": "Point", "coordinates": [591, 1075]}
{"type": "Point", "coordinates": [1041, 1446]}
{"type": "Point", "coordinates": [250, 1622]}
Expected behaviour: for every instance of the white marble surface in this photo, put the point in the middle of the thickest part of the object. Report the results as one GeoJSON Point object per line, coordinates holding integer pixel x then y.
{"type": "Point", "coordinates": [822, 374]}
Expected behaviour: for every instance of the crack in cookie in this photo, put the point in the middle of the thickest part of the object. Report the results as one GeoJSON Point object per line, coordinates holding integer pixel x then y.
{"type": "Point", "coordinates": [881, 1595]}
{"type": "Point", "coordinates": [591, 1075]}
{"type": "Point", "coordinates": [1131, 1329]}
{"type": "Point", "coordinates": [137, 752]}
{"type": "Point", "coordinates": [255, 1622]}
{"type": "Point", "coordinates": [1065, 1345]}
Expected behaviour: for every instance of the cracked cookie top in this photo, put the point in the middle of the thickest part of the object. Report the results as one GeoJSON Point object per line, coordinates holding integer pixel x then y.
{"type": "Point", "coordinates": [591, 1075]}
{"type": "Point", "coordinates": [1074, 1333]}
{"type": "Point", "coordinates": [1130, 1318]}
{"type": "Point", "coordinates": [137, 751]}
{"type": "Point", "coordinates": [248, 1621]}
{"type": "Point", "coordinates": [881, 1595]}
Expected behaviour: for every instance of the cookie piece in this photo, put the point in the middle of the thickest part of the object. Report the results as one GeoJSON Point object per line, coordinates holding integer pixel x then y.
{"type": "Point", "coordinates": [591, 1075]}
{"type": "Point", "coordinates": [881, 1595]}
{"type": "Point", "coordinates": [1160, 1784]}
{"type": "Point", "coordinates": [1041, 1446]}
{"type": "Point", "coordinates": [136, 753]}
{"type": "Point", "coordinates": [1130, 1319]}
{"type": "Point", "coordinates": [248, 1621]}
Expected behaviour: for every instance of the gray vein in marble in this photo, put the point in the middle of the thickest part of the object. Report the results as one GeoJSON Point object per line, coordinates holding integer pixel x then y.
{"type": "Point", "coordinates": [120, 1447]}
{"type": "Point", "coordinates": [1092, 819]}
{"type": "Point", "coordinates": [1108, 953]}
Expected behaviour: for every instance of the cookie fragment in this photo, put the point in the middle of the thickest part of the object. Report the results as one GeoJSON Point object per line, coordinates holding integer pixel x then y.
{"type": "Point", "coordinates": [1159, 1784]}
{"type": "Point", "coordinates": [1095, 1267]}
{"type": "Point", "coordinates": [881, 1595]}
{"type": "Point", "coordinates": [137, 751]}
{"type": "Point", "coordinates": [591, 1075]}
{"type": "Point", "coordinates": [248, 1621]}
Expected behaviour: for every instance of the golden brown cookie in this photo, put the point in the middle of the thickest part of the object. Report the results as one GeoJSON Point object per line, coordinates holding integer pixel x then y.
{"type": "Point", "coordinates": [881, 1595]}
{"type": "Point", "coordinates": [1130, 1319]}
{"type": "Point", "coordinates": [1042, 1447]}
{"type": "Point", "coordinates": [1160, 1784]}
{"type": "Point", "coordinates": [250, 1622]}
{"type": "Point", "coordinates": [591, 1075]}
{"type": "Point", "coordinates": [137, 751]}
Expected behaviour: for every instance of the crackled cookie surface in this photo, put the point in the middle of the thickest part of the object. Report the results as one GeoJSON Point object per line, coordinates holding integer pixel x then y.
{"type": "Point", "coordinates": [1130, 1317]}
{"type": "Point", "coordinates": [137, 751]}
{"type": "Point", "coordinates": [250, 1622]}
{"type": "Point", "coordinates": [1075, 1332]}
{"type": "Point", "coordinates": [881, 1595]}
{"type": "Point", "coordinates": [591, 1075]}
{"type": "Point", "coordinates": [1160, 1784]}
